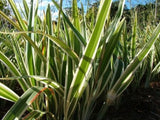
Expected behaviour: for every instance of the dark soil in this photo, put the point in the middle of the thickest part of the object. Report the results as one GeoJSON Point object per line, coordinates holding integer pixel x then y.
{"type": "Point", "coordinates": [143, 104]}
{"type": "Point", "coordinates": [4, 107]}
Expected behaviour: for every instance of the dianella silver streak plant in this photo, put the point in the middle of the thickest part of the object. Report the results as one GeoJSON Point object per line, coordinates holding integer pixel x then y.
{"type": "Point", "coordinates": [66, 69]}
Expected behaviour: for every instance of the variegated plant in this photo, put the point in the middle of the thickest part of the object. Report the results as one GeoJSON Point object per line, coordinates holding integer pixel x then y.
{"type": "Point", "coordinates": [64, 70]}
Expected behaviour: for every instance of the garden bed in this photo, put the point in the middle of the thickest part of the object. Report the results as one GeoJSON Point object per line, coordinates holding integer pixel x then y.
{"type": "Point", "coordinates": [143, 104]}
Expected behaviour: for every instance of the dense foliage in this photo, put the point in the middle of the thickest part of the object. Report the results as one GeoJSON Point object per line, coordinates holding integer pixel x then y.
{"type": "Point", "coordinates": [75, 68]}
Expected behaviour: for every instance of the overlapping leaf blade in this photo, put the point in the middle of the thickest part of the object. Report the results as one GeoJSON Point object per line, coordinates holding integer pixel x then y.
{"type": "Point", "coordinates": [126, 76]}
{"type": "Point", "coordinates": [80, 78]}
{"type": "Point", "coordinates": [78, 35]}
{"type": "Point", "coordinates": [22, 104]}
{"type": "Point", "coordinates": [13, 69]}
{"type": "Point", "coordinates": [25, 35]}
{"type": "Point", "coordinates": [17, 14]}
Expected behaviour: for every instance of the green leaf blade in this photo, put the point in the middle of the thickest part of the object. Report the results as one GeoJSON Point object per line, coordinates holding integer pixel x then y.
{"type": "Point", "coordinates": [7, 93]}
{"type": "Point", "coordinates": [90, 51]}
{"type": "Point", "coordinates": [22, 104]}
